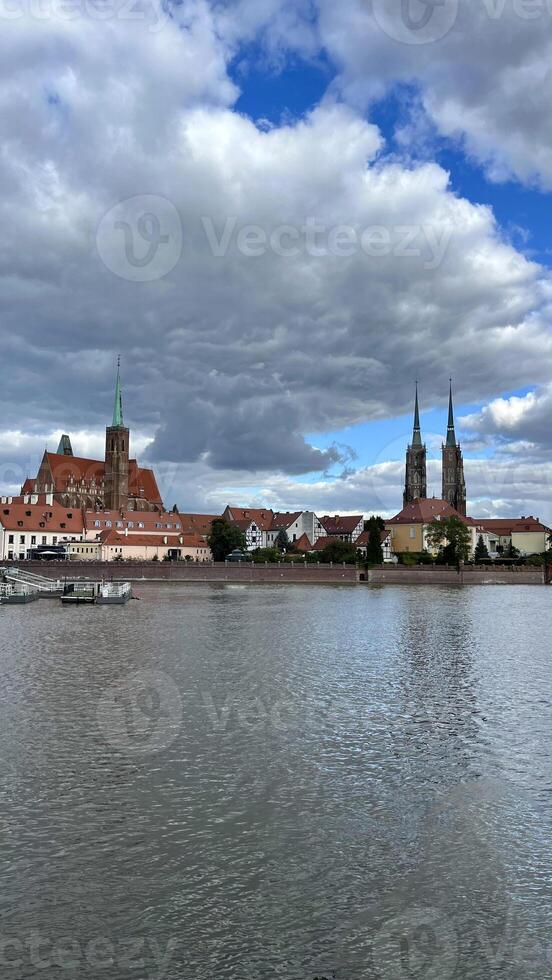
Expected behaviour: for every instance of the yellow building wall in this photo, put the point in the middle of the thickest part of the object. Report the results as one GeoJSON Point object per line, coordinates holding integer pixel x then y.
{"type": "Point", "coordinates": [402, 539]}
{"type": "Point", "coordinates": [85, 551]}
{"type": "Point", "coordinates": [530, 542]}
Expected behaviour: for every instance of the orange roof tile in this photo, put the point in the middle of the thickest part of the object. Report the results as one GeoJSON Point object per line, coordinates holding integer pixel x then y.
{"type": "Point", "coordinates": [262, 516]}
{"type": "Point", "coordinates": [426, 510]}
{"type": "Point", "coordinates": [340, 525]}
{"type": "Point", "coordinates": [41, 517]}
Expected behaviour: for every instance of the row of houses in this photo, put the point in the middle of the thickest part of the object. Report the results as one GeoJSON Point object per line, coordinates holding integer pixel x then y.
{"type": "Point", "coordinates": [34, 522]}
{"type": "Point", "coordinates": [408, 530]}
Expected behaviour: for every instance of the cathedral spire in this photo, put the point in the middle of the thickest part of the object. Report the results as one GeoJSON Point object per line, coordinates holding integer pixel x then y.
{"type": "Point", "coordinates": [415, 483]}
{"type": "Point", "coordinates": [118, 406]}
{"type": "Point", "coordinates": [417, 436]}
{"type": "Point", "coordinates": [451, 434]}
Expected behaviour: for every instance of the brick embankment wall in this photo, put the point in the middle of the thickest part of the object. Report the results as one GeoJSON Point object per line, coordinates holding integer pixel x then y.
{"type": "Point", "coordinates": [516, 575]}
{"type": "Point", "coordinates": [437, 575]}
{"type": "Point", "coordinates": [190, 572]}
{"type": "Point", "coordinates": [417, 575]}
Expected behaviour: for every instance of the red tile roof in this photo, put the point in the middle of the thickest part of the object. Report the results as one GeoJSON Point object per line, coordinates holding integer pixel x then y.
{"type": "Point", "coordinates": [198, 523]}
{"type": "Point", "coordinates": [341, 525]}
{"type": "Point", "coordinates": [80, 468]}
{"type": "Point", "coordinates": [303, 544]}
{"type": "Point", "coordinates": [424, 511]}
{"type": "Point", "coordinates": [513, 525]}
{"type": "Point", "coordinates": [282, 521]}
{"type": "Point", "coordinates": [41, 517]}
{"type": "Point", "coordinates": [364, 538]}
{"type": "Point", "coordinates": [142, 479]}
{"type": "Point", "coordinates": [262, 516]}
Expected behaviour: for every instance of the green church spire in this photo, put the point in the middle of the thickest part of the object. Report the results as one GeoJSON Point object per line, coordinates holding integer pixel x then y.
{"type": "Point", "coordinates": [118, 406]}
{"type": "Point", "coordinates": [417, 436]}
{"type": "Point", "coordinates": [451, 434]}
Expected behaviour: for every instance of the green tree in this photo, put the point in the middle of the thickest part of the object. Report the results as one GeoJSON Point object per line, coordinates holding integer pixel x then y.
{"type": "Point", "coordinates": [282, 540]}
{"type": "Point", "coordinates": [271, 555]}
{"type": "Point", "coordinates": [512, 552]}
{"type": "Point", "coordinates": [374, 550]}
{"type": "Point", "coordinates": [452, 537]}
{"type": "Point", "coordinates": [224, 538]}
{"type": "Point", "coordinates": [377, 520]}
{"type": "Point", "coordinates": [337, 552]}
{"type": "Point", "coordinates": [481, 550]}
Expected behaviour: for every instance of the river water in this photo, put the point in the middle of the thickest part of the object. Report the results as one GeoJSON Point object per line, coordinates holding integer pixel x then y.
{"type": "Point", "coordinates": [292, 782]}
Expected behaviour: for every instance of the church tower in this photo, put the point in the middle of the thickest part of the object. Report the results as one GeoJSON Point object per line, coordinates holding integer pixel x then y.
{"type": "Point", "coordinates": [454, 484]}
{"type": "Point", "coordinates": [416, 477]}
{"type": "Point", "coordinates": [116, 455]}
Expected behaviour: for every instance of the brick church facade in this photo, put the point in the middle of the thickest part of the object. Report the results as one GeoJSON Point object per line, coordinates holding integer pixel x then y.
{"type": "Point", "coordinates": [115, 483]}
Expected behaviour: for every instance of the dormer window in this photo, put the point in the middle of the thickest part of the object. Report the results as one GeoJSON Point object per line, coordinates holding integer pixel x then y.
{"type": "Point", "coordinates": [28, 513]}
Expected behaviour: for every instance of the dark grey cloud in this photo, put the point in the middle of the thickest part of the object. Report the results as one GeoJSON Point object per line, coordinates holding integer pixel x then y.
{"type": "Point", "coordinates": [230, 354]}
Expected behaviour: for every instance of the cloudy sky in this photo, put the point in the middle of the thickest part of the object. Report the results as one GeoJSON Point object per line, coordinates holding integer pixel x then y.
{"type": "Point", "coordinates": [280, 214]}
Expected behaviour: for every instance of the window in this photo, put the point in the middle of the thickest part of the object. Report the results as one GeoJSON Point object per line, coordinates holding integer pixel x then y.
{"type": "Point", "coordinates": [44, 539]}
{"type": "Point", "coordinates": [10, 539]}
{"type": "Point", "coordinates": [140, 523]}
{"type": "Point", "coordinates": [131, 523]}
{"type": "Point", "coordinates": [109, 523]}
{"type": "Point", "coordinates": [412, 532]}
{"type": "Point", "coordinates": [120, 524]}
{"type": "Point", "coordinates": [33, 538]}
{"type": "Point", "coordinates": [21, 539]}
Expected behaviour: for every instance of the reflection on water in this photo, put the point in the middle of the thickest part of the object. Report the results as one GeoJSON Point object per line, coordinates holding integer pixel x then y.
{"type": "Point", "coordinates": [278, 781]}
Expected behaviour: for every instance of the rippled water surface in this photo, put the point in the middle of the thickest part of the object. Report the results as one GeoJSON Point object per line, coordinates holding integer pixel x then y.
{"type": "Point", "coordinates": [251, 782]}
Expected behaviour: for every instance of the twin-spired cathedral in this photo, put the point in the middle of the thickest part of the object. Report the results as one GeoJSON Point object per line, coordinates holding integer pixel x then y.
{"type": "Point", "coordinates": [113, 483]}
{"type": "Point", "coordinates": [454, 484]}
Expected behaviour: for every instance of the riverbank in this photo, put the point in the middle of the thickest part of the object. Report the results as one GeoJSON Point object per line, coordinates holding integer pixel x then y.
{"type": "Point", "coordinates": [296, 574]}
